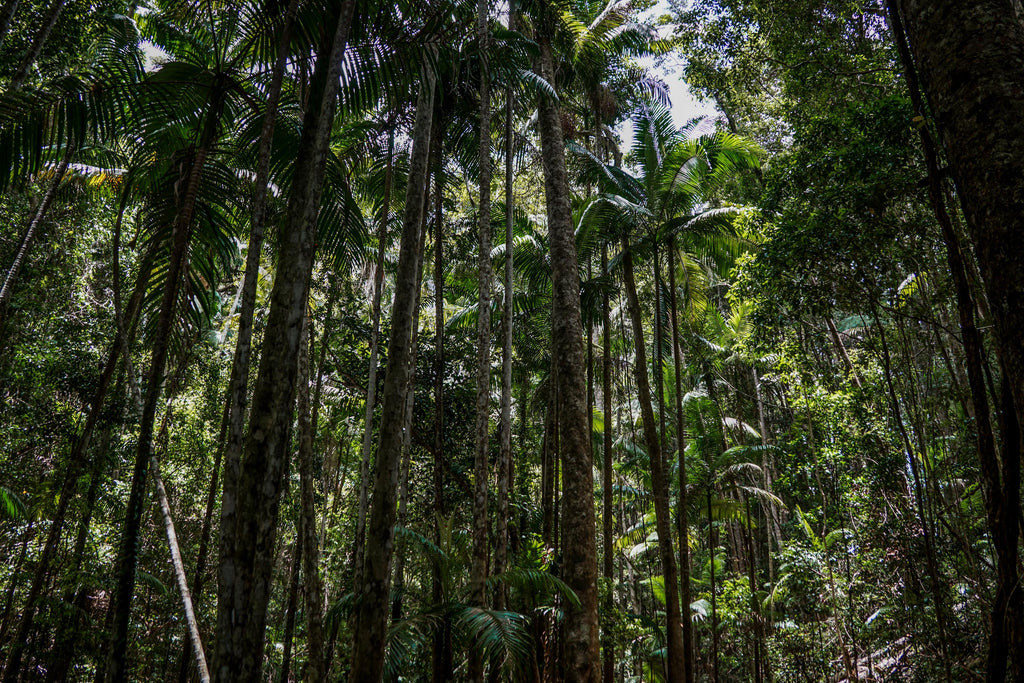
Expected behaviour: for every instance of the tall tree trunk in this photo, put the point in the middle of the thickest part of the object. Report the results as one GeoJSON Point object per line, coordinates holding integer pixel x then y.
{"type": "Point", "coordinates": [371, 614]}
{"type": "Point", "coordinates": [26, 243]}
{"type": "Point", "coordinates": [291, 608]}
{"type": "Point", "coordinates": [36, 48]}
{"type": "Point", "coordinates": [1002, 513]}
{"type": "Point", "coordinates": [6, 17]}
{"type": "Point", "coordinates": [481, 432]}
{"type": "Point", "coordinates": [313, 590]}
{"type": "Point", "coordinates": [580, 548]}
{"type": "Point", "coordinates": [681, 514]}
{"type": "Point", "coordinates": [676, 659]}
{"type": "Point", "coordinates": [238, 382]}
{"type": "Point", "coordinates": [504, 464]}
{"type": "Point", "coordinates": [247, 559]}
{"type": "Point", "coordinates": [75, 462]}
{"type": "Point", "coordinates": [442, 647]}
{"type": "Point", "coordinates": [191, 624]}
{"type": "Point", "coordinates": [128, 555]}
{"type": "Point", "coordinates": [371, 382]}
{"type": "Point", "coordinates": [403, 483]}
{"type": "Point", "coordinates": [607, 475]}
{"type": "Point", "coordinates": [970, 56]}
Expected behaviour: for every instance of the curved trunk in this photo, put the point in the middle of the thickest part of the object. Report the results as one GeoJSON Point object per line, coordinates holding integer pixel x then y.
{"type": "Point", "coordinates": [581, 641]}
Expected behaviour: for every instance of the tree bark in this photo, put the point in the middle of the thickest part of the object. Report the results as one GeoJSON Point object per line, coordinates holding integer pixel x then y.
{"type": "Point", "coordinates": [239, 378]}
{"type": "Point", "coordinates": [581, 640]}
{"type": "Point", "coordinates": [372, 610]}
{"type": "Point", "coordinates": [191, 624]}
{"type": "Point", "coordinates": [607, 479]}
{"type": "Point", "coordinates": [36, 48]}
{"type": "Point", "coordinates": [504, 464]}
{"type": "Point", "coordinates": [247, 561]}
{"type": "Point", "coordinates": [441, 657]}
{"type": "Point", "coordinates": [1007, 612]}
{"type": "Point", "coordinates": [681, 515]}
{"type": "Point", "coordinates": [970, 56]}
{"type": "Point", "coordinates": [312, 587]}
{"type": "Point", "coordinates": [371, 382]}
{"type": "Point", "coordinates": [481, 432]}
{"type": "Point", "coordinates": [676, 659]}
{"type": "Point", "coordinates": [26, 243]}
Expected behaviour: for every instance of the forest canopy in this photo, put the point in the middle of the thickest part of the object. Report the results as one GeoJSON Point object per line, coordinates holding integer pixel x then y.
{"type": "Point", "coordinates": [345, 340]}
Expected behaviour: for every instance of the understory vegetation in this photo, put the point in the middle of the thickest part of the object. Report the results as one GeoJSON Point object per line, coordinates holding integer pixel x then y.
{"type": "Point", "coordinates": [430, 341]}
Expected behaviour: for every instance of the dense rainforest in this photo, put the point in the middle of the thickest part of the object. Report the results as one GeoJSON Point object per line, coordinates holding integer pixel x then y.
{"type": "Point", "coordinates": [430, 340]}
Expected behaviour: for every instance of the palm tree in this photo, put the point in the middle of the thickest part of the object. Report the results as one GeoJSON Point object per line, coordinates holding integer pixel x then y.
{"type": "Point", "coordinates": [675, 176]}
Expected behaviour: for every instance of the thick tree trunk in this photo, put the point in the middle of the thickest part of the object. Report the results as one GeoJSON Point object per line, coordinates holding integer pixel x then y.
{"type": "Point", "coordinates": [970, 56]}
{"type": "Point", "coordinates": [1002, 512]}
{"type": "Point", "coordinates": [579, 552]}
{"type": "Point", "coordinates": [481, 432]}
{"type": "Point", "coordinates": [371, 614]}
{"type": "Point", "coordinates": [247, 555]}
{"type": "Point", "coordinates": [239, 379]}
{"type": "Point", "coordinates": [676, 660]}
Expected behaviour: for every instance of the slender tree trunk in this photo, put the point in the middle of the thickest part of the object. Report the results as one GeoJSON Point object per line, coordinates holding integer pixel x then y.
{"type": "Point", "coordinates": [676, 659]}
{"type": "Point", "coordinates": [247, 568]}
{"type": "Point", "coordinates": [63, 653]}
{"type": "Point", "coordinates": [504, 464]}
{"type": "Point", "coordinates": [179, 573]}
{"type": "Point", "coordinates": [36, 48]}
{"type": "Point", "coordinates": [682, 504]}
{"type": "Point", "coordinates": [371, 382]}
{"type": "Point", "coordinates": [6, 17]}
{"type": "Point", "coordinates": [26, 243]}
{"type": "Point", "coordinates": [76, 461]}
{"type": "Point", "coordinates": [117, 667]}
{"type": "Point", "coordinates": [442, 649]}
{"type": "Point", "coordinates": [291, 609]}
{"type": "Point", "coordinates": [478, 570]}
{"type": "Point", "coordinates": [371, 614]}
{"type": "Point", "coordinates": [403, 482]}
{"type": "Point", "coordinates": [313, 590]}
{"type": "Point", "coordinates": [579, 552]}
{"type": "Point", "coordinates": [607, 475]}
{"type": "Point", "coordinates": [239, 379]}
